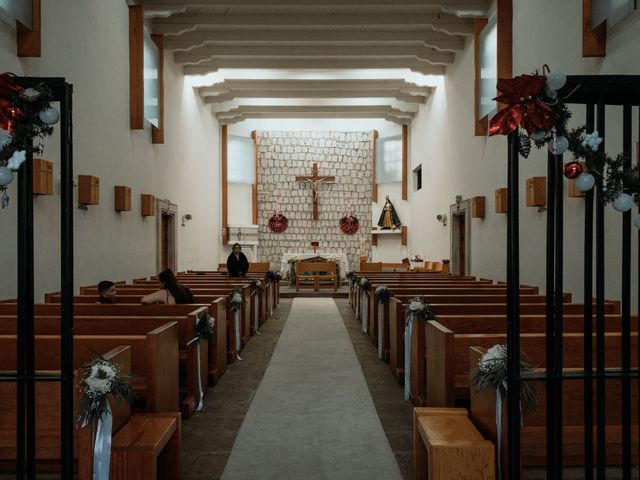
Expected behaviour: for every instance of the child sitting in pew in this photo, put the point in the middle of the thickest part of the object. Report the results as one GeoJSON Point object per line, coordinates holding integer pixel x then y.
{"type": "Point", "coordinates": [107, 291]}
{"type": "Point", "coordinates": [170, 293]}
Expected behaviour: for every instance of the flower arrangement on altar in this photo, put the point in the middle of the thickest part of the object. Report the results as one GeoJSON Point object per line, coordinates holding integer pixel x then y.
{"type": "Point", "coordinates": [25, 113]}
{"type": "Point", "coordinates": [534, 104]}
{"type": "Point", "coordinates": [491, 372]}
{"type": "Point", "coordinates": [278, 223]}
{"type": "Point", "coordinates": [235, 300]}
{"type": "Point", "coordinates": [205, 325]}
{"type": "Point", "coordinates": [100, 378]}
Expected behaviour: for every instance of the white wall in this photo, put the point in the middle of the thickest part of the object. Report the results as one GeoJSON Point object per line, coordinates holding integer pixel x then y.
{"type": "Point", "coordinates": [455, 162]}
{"type": "Point", "coordinates": [79, 43]}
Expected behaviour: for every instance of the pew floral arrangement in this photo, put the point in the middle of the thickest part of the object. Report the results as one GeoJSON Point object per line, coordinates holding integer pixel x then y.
{"type": "Point", "coordinates": [418, 307]}
{"type": "Point", "coordinates": [383, 293]}
{"type": "Point", "coordinates": [25, 113]}
{"type": "Point", "coordinates": [100, 378]}
{"type": "Point", "coordinates": [236, 301]}
{"type": "Point", "coordinates": [273, 276]}
{"type": "Point", "coordinates": [255, 284]}
{"type": "Point", "coordinates": [205, 325]}
{"type": "Point", "coordinates": [363, 283]}
{"type": "Point", "coordinates": [491, 372]}
{"type": "Point", "coordinates": [534, 104]}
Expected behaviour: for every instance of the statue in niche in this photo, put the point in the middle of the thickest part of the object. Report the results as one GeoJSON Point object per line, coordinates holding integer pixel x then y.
{"type": "Point", "coordinates": [389, 219]}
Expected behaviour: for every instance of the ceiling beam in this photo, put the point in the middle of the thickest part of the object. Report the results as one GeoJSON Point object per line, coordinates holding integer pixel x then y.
{"type": "Point", "coordinates": [233, 94]}
{"type": "Point", "coordinates": [303, 84]}
{"type": "Point", "coordinates": [209, 52]}
{"type": "Point", "coordinates": [443, 22]}
{"type": "Point", "coordinates": [410, 63]}
{"type": "Point", "coordinates": [201, 36]}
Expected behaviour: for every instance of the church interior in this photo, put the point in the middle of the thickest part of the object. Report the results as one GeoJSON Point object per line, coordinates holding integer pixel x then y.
{"type": "Point", "coordinates": [319, 239]}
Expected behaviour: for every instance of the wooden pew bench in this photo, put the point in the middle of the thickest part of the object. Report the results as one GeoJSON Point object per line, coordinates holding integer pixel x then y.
{"type": "Point", "coordinates": [447, 358]}
{"type": "Point", "coordinates": [447, 445]}
{"type": "Point", "coordinates": [533, 429]}
{"type": "Point", "coordinates": [315, 274]}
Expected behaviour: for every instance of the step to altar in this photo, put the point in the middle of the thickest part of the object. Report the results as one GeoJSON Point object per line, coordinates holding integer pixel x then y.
{"type": "Point", "coordinates": [287, 291]}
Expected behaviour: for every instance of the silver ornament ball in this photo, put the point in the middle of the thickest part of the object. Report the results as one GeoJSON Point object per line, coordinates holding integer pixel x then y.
{"type": "Point", "coordinates": [49, 115]}
{"type": "Point", "coordinates": [558, 145]}
{"type": "Point", "coordinates": [585, 182]}
{"type": "Point", "coordinates": [538, 136]}
{"type": "Point", "coordinates": [5, 139]}
{"type": "Point", "coordinates": [556, 80]}
{"type": "Point", "coordinates": [6, 175]}
{"type": "Point", "coordinates": [623, 203]}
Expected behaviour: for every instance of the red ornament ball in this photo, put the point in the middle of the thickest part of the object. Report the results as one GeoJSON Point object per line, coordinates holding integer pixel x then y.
{"type": "Point", "coordinates": [572, 170]}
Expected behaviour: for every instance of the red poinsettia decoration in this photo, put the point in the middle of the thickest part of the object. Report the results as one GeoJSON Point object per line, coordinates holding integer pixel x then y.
{"type": "Point", "coordinates": [349, 224]}
{"type": "Point", "coordinates": [278, 223]}
{"type": "Point", "coordinates": [8, 113]}
{"type": "Point", "coordinates": [524, 108]}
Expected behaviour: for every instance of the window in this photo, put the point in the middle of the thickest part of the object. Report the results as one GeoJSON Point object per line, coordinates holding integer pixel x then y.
{"type": "Point", "coordinates": [488, 67]}
{"type": "Point", "coordinates": [613, 11]}
{"type": "Point", "coordinates": [21, 10]}
{"type": "Point", "coordinates": [389, 159]}
{"type": "Point", "coordinates": [417, 178]}
{"type": "Point", "coordinates": [240, 154]}
{"type": "Point", "coordinates": [151, 81]}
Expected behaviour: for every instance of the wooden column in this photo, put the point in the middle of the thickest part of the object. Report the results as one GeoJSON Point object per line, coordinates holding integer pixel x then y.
{"type": "Point", "coordinates": [405, 150]}
{"type": "Point", "coordinates": [136, 67]}
{"type": "Point", "coordinates": [374, 180]}
{"type": "Point", "coordinates": [157, 133]}
{"type": "Point", "coordinates": [28, 40]}
{"type": "Point", "coordinates": [254, 189]}
{"type": "Point", "coordinates": [224, 138]}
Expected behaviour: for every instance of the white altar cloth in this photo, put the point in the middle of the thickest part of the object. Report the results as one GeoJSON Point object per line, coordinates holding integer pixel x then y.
{"type": "Point", "coordinates": [343, 261]}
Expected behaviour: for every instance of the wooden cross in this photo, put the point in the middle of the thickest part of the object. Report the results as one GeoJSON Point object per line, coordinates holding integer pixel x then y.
{"type": "Point", "coordinates": [315, 180]}
{"type": "Point", "coordinates": [315, 246]}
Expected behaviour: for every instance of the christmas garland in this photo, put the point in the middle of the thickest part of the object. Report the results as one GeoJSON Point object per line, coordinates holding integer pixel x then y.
{"type": "Point", "coordinates": [24, 115]}
{"type": "Point", "coordinates": [349, 224]}
{"type": "Point", "coordinates": [278, 223]}
{"type": "Point", "coordinates": [533, 103]}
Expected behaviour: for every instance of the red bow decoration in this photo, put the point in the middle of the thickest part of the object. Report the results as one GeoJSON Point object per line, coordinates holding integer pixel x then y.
{"type": "Point", "coordinates": [8, 85]}
{"type": "Point", "coordinates": [8, 113]}
{"type": "Point", "coordinates": [520, 94]}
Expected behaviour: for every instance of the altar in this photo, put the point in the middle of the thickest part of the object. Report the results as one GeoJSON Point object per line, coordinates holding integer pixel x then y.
{"type": "Point", "coordinates": [288, 258]}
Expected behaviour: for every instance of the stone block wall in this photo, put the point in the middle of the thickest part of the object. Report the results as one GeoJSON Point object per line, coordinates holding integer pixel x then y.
{"type": "Point", "coordinates": [284, 155]}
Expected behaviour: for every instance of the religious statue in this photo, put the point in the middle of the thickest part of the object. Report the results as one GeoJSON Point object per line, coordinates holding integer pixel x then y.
{"type": "Point", "coordinates": [389, 218]}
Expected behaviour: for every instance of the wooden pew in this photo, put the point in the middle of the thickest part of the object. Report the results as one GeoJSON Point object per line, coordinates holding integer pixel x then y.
{"type": "Point", "coordinates": [317, 273]}
{"type": "Point", "coordinates": [217, 309]}
{"type": "Point", "coordinates": [136, 325]}
{"type": "Point", "coordinates": [447, 445]}
{"type": "Point", "coordinates": [154, 360]}
{"type": "Point", "coordinates": [533, 429]}
{"type": "Point", "coordinates": [447, 357]}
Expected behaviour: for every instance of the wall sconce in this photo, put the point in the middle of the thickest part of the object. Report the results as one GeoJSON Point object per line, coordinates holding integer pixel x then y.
{"type": "Point", "coordinates": [442, 218]}
{"type": "Point", "coordinates": [185, 218]}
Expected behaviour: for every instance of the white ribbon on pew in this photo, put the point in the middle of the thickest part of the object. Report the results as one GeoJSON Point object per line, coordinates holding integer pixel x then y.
{"type": "Point", "coordinates": [236, 327]}
{"type": "Point", "coordinates": [408, 329]}
{"type": "Point", "coordinates": [499, 426]}
{"type": "Point", "coordinates": [380, 328]}
{"type": "Point", "coordinates": [365, 311]}
{"type": "Point", "coordinates": [357, 299]}
{"type": "Point", "coordinates": [200, 391]}
{"type": "Point", "coordinates": [256, 311]}
{"type": "Point", "coordinates": [102, 446]}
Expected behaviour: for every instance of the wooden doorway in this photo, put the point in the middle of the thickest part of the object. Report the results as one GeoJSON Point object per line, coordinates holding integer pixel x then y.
{"type": "Point", "coordinates": [166, 236]}
{"type": "Point", "coordinates": [460, 224]}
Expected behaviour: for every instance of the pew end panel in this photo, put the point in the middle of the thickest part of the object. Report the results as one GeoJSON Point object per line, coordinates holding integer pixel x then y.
{"type": "Point", "coordinates": [440, 357]}
{"type": "Point", "coordinates": [218, 347]}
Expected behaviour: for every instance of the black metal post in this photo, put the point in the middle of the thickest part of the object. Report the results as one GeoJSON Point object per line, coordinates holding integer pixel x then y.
{"type": "Point", "coordinates": [600, 360]}
{"type": "Point", "coordinates": [558, 317]}
{"type": "Point", "coordinates": [550, 315]}
{"type": "Point", "coordinates": [588, 319]}
{"type": "Point", "coordinates": [66, 280]}
{"type": "Point", "coordinates": [513, 310]}
{"type": "Point", "coordinates": [625, 349]}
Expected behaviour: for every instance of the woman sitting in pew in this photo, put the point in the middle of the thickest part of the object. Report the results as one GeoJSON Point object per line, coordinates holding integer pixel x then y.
{"type": "Point", "coordinates": [170, 293]}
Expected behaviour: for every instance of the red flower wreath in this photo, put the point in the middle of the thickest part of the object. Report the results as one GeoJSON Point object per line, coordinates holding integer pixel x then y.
{"type": "Point", "coordinates": [349, 224]}
{"type": "Point", "coordinates": [278, 223]}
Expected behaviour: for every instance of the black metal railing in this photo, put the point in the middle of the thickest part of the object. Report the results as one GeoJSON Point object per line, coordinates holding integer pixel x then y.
{"type": "Point", "coordinates": [596, 93]}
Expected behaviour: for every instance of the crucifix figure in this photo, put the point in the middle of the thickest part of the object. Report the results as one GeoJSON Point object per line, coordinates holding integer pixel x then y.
{"type": "Point", "coordinates": [315, 181]}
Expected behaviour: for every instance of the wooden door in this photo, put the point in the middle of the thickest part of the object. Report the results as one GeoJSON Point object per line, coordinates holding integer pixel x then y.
{"type": "Point", "coordinates": [460, 219]}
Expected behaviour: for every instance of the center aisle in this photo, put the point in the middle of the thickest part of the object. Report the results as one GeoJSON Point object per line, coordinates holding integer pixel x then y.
{"type": "Point", "coordinates": [312, 416]}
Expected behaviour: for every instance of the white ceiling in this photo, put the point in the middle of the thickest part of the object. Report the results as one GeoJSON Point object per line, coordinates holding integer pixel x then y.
{"type": "Point", "coordinates": [314, 58]}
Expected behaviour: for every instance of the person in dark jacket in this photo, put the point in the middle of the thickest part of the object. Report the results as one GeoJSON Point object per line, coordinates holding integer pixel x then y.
{"type": "Point", "coordinates": [237, 263]}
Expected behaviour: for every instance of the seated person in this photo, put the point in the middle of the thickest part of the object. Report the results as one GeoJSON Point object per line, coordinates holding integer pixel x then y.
{"type": "Point", "coordinates": [107, 291]}
{"type": "Point", "coordinates": [237, 263]}
{"type": "Point", "coordinates": [170, 293]}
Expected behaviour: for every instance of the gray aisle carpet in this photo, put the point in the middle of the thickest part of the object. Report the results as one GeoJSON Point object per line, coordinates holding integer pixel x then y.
{"type": "Point", "coordinates": [312, 416]}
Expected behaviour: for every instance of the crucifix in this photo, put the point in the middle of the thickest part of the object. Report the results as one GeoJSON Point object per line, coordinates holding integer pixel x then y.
{"type": "Point", "coordinates": [315, 181]}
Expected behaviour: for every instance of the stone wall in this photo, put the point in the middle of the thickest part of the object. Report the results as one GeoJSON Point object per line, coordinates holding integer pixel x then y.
{"type": "Point", "coordinates": [284, 155]}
